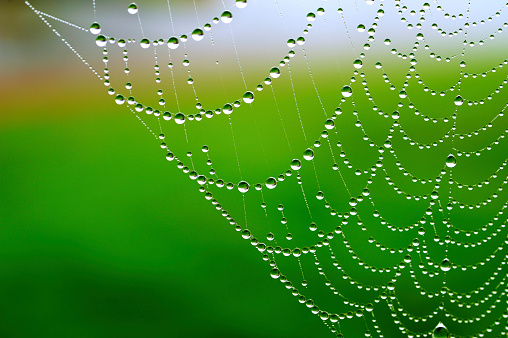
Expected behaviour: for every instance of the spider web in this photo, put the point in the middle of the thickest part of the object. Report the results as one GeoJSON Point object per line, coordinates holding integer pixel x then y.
{"type": "Point", "coordinates": [372, 187]}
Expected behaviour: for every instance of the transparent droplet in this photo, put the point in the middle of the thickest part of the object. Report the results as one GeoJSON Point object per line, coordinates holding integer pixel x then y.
{"type": "Point", "coordinates": [296, 164]}
{"type": "Point", "coordinates": [458, 100]}
{"type": "Point", "coordinates": [308, 154]}
{"type": "Point", "coordinates": [311, 17]}
{"type": "Point", "coordinates": [275, 273]}
{"type": "Point", "coordinates": [347, 91]}
{"type": "Point", "coordinates": [369, 2]}
{"type": "Point", "coordinates": [197, 34]}
{"type": "Point", "coordinates": [246, 234]}
{"type": "Point", "coordinates": [445, 265]}
{"type": "Point", "coordinates": [226, 17]}
{"type": "Point", "coordinates": [95, 28]}
{"type": "Point", "coordinates": [275, 72]}
{"type": "Point", "coordinates": [248, 97]}
{"type": "Point", "coordinates": [179, 118]}
{"type": "Point", "coordinates": [173, 42]}
{"type": "Point", "coordinates": [291, 43]}
{"type": "Point", "coordinates": [241, 3]}
{"type": "Point", "coordinates": [119, 99]}
{"type": "Point", "coordinates": [133, 8]}
{"type": "Point", "coordinates": [243, 186]}
{"type": "Point", "coordinates": [358, 63]}
{"type": "Point", "coordinates": [101, 41]}
{"type": "Point", "coordinates": [434, 195]}
{"type": "Point", "coordinates": [271, 183]}
{"type": "Point", "coordinates": [145, 43]}
{"type": "Point", "coordinates": [440, 331]}
{"type": "Point", "coordinates": [329, 124]}
{"type": "Point", "coordinates": [451, 161]}
{"type": "Point", "coordinates": [361, 28]}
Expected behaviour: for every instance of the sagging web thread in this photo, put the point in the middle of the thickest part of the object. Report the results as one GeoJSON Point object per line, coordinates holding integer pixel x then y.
{"type": "Point", "coordinates": [440, 202]}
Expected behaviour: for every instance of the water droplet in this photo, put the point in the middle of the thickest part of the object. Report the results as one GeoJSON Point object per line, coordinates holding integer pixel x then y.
{"type": "Point", "coordinates": [308, 154]}
{"type": "Point", "coordinates": [347, 91]}
{"type": "Point", "coordinates": [440, 331]}
{"type": "Point", "coordinates": [271, 183]}
{"type": "Point", "coordinates": [458, 100]}
{"type": "Point", "coordinates": [329, 124]}
{"type": "Point", "coordinates": [275, 72]}
{"type": "Point", "coordinates": [275, 273]}
{"type": "Point", "coordinates": [434, 195]}
{"type": "Point", "coordinates": [226, 17]}
{"type": "Point", "coordinates": [358, 63]}
{"type": "Point", "coordinates": [173, 42]}
{"type": "Point", "coordinates": [197, 34]}
{"type": "Point", "coordinates": [291, 43]}
{"type": "Point", "coordinates": [311, 17]}
{"type": "Point", "coordinates": [145, 43]}
{"type": "Point", "coordinates": [361, 28]}
{"type": "Point", "coordinates": [369, 2]}
{"type": "Point", "coordinates": [241, 3]}
{"type": "Point", "coordinates": [248, 97]}
{"type": "Point", "coordinates": [101, 41]}
{"type": "Point", "coordinates": [133, 8]}
{"type": "Point", "coordinates": [446, 265]}
{"type": "Point", "coordinates": [179, 118]}
{"type": "Point", "coordinates": [243, 186]}
{"type": "Point", "coordinates": [246, 234]}
{"type": "Point", "coordinates": [296, 164]}
{"type": "Point", "coordinates": [119, 99]}
{"type": "Point", "coordinates": [451, 161]}
{"type": "Point", "coordinates": [95, 28]}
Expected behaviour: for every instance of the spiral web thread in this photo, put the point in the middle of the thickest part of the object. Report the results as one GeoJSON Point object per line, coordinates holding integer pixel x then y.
{"type": "Point", "coordinates": [428, 250]}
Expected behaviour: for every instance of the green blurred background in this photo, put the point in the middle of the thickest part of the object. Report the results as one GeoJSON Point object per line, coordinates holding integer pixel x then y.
{"type": "Point", "coordinates": [101, 237]}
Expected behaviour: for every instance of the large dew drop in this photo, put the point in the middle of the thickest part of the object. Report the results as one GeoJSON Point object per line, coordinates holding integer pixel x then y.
{"type": "Point", "coordinates": [296, 164]}
{"type": "Point", "coordinates": [226, 17]}
{"type": "Point", "coordinates": [243, 187]}
{"type": "Point", "coordinates": [458, 101]}
{"type": "Point", "coordinates": [308, 154]}
{"type": "Point", "coordinates": [445, 265]}
{"type": "Point", "coordinates": [451, 161]}
{"type": "Point", "coordinates": [120, 99]}
{"type": "Point", "coordinates": [271, 183]}
{"type": "Point", "coordinates": [197, 34]}
{"type": "Point", "coordinates": [173, 42]}
{"type": "Point", "coordinates": [241, 3]}
{"type": "Point", "coordinates": [95, 28]}
{"type": "Point", "coordinates": [275, 72]}
{"type": "Point", "coordinates": [347, 91]}
{"type": "Point", "coordinates": [275, 273]}
{"type": "Point", "coordinates": [248, 97]}
{"type": "Point", "coordinates": [180, 118]}
{"type": "Point", "coordinates": [101, 41]}
{"type": "Point", "coordinates": [133, 8]}
{"type": "Point", "coordinates": [440, 331]}
{"type": "Point", "coordinates": [145, 43]}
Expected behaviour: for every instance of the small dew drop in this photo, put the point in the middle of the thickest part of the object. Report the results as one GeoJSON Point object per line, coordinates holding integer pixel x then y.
{"type": "Point", "coordinates": [133, 8]}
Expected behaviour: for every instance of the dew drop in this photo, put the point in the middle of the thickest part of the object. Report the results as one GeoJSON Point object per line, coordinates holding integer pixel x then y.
{"type": "Point", "coordinates": [243, 187]}
{"type": "Point", "coordinates": [434, 195]}
{"type": "Point", "coordinates": [246, 234]}
{"type": "Point", "coordinates": [197, 34]}
{"type": "Point", "coordinates": [358, 63]}
{"type": "Point", "coordinates": [458, 100]}
{"type": "Point", "coordinates": [311, 17]}
{"type": "Point", "coordinates": [101, 41]}
{"type": "Point", "coordinates": [347, 91]}
{"type": "Point", "coordinates": [133, 8]}
{"type": "Point", "coordinates": [173, 42]}
{"type": "Point", "coordinates": [329, 124]}
{"type": "Point", "coordinates": [226, 17]}
{"type": "Point", "coordinates": [445, 265]}
{"type": "Point", "coordinates": [296, 164]}
{"type": "Point", "coordinates": [440, 331]}
{"type": "Point", "coordinates": [95, 28]}
{"type": "Point", "coordinates": [361, 28]}
{"type": "Point", "coordinates": [241, 3]}
{"type": "Point", "coordinates": [369, 2]}
{"type": "Point", "coordinates": [179, 118]}
{"type": "Point", "coordinates": [119, 99]}
{"type": "Point", "coordinates": [275, 72]}
{"type": "Point", "coordinates": [308, 154]}
{"type": "Point", "coordinates": [451, 161]}
{"type": "Point", "coordinates": [248, 97]}
{"type": "Point", "coordinates": [145, 43]}
{"type": "Point", "coordinates": [275, 273]}
{"type": "Point", "coordinates": [271, 183]}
